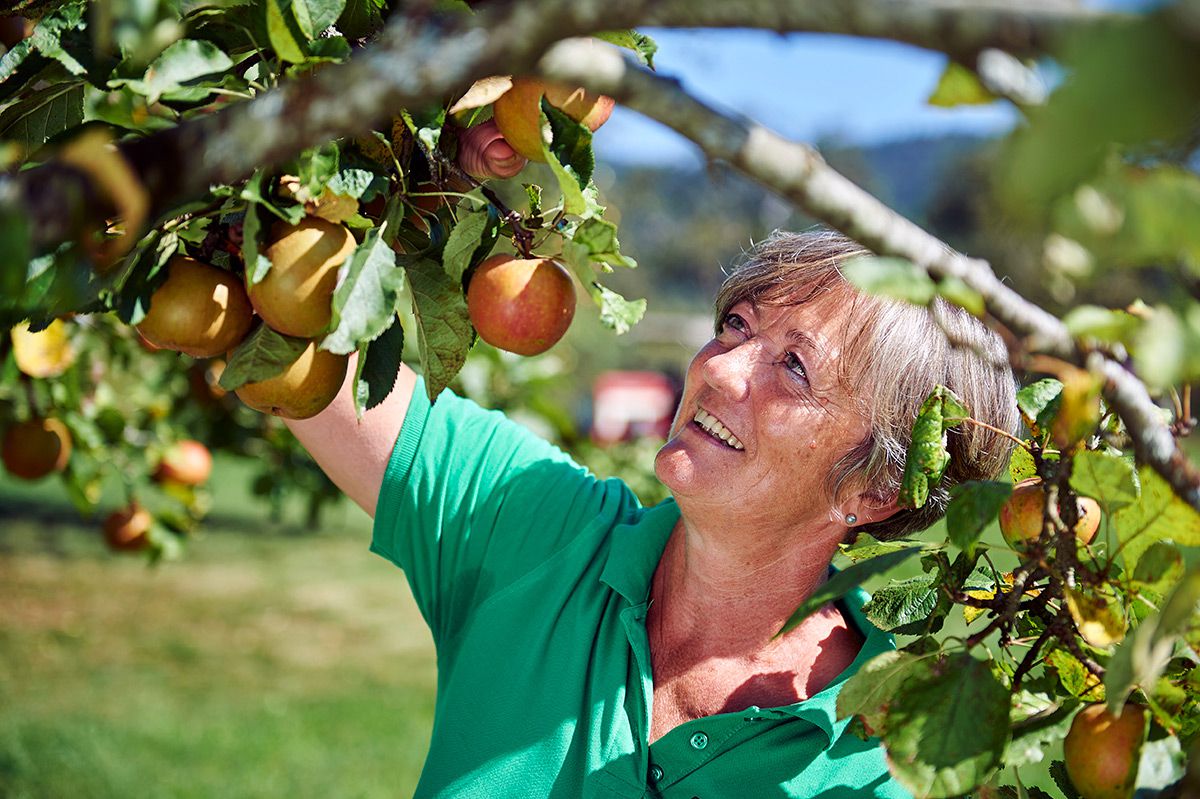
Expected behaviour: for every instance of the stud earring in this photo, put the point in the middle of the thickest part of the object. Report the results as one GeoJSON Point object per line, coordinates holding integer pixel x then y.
{"type": "Point", "coordinates": [851, 518]}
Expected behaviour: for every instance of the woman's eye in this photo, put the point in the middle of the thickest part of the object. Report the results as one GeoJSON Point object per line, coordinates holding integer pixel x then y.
{"type": "Point", "coordinates": [733, 322]}
{"type": "Point", "coordinates": [793, 363]}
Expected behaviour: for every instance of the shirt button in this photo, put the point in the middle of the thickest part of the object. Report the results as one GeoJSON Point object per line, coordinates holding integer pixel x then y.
{"type": "Point", "coordinates": [656, 773]}
{"type": "Point", "coordinates": [699, 741]}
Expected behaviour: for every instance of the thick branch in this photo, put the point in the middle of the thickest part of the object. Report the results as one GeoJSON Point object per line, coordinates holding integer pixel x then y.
{"type": "Point", "coordinates": [418, 61]}
{"type": "Point", "coordinates": [799, 173]}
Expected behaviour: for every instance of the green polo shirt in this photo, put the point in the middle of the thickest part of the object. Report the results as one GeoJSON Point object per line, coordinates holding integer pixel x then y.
{"type": "Point", "coordinates": [534, 577]}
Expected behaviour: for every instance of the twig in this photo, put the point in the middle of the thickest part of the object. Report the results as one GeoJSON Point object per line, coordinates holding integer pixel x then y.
{"type": "Point", "coordinates": [996, 430]}
{"type": "Point", "coordinates": [1030, 658]}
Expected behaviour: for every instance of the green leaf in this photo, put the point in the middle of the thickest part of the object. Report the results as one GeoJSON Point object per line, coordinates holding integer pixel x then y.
{"type": "Point", "coordinates": [877, 684]}
{"type": "Point", "coordinates": [617, 313]}
{"type": "Point", "coordinates": [973, 506]}
{"type": "Point", "coordinates": [1039, 402]}
{"type": "Point", "coordinates": [1157, 516]}
{"type": "Point", "coordinates": [364, 302]}
{"type": "Point", "coordinates": [361, 17]}
{"type": "Point", "coordinates": [351, 183]}
{"type": "Point", "coordinates": [263, 355]}
{"type": "Point", "coordinates": [257, 263]}
{"type": "Point", "coordinates": [959, 293]}
{"type": "Point", "coordinates": [316, 166]}
{"type": "Point", "coordinates": [1031, 739]}
{"type": "Point", "coordinates": [596, 240]}
{"type": "Point", "coordinates": [1162, 764]}
{"type": "Point", "coordinates": [378, 364]}
{"type": "Point", "coordinates": [904, 606]}
{"type": "Point", "coordinates": [1055, 151]}
{"type": "Point", "coordinates": [426, 124]}
{"type": "Point", "coordinates": [1075, 677]}
{"type": "Point", "coordinates": [959, 86]}
{"type": "Point", "coordinates": [463, 241]}
{"type": "Point", "coordinates": [1159, 568]}
{"type": "Point", "coordinates": [865, 546]}
{"type": "Point", "coordinates": [43, 114]}
{"type": "Point", "coordinates": [845, 581]}
{"type": "Point", "coordinates": [890, 277]}
{"type": "Point", "coordinates": [946, 732]}
{"type": "Point", "coordinates": [15, 244]}
{"type": "Point", "coordinates": [314, 16]}
{"type": "Point", "coordinates": [185, 60]}
{"type": "Point", "coordinates": [927, 456]}
{"type": "Point", "coordinates": [145, 275]}
{"type": "Point", "coordinates": [284, 32]}
{"type": "Point", "coordinates": [1108, 479]}
{"type": "Point", "coordinates": [642, 45]}
{"type": "Point", "coordinates": [444, 332]}
{"type": "Point", "coordinates": [1102, 324]}
{"type": "Point", "coordinates": [570, 144]}
{"type": "Point", "coordinates": [1144, 654]}
{"type": "Point", "coordinates": [56, 30]}
{"type": "Point", "coordinates": [1021, 465]}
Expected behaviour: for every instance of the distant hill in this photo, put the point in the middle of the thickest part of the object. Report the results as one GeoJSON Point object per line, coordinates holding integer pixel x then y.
{"type": "Point", "coordinates": [685, 224]}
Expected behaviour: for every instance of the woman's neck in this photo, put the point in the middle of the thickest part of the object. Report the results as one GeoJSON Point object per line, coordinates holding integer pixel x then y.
{"type": "Point", "coordinates": [731, 590]}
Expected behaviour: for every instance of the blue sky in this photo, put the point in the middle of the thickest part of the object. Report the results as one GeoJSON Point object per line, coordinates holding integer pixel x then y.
{"type": "Point", "coordinates": [807, 87]}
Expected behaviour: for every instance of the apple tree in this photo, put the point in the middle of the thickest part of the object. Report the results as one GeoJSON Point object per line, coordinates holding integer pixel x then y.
{"type": "Point", "coordinates": [339, 172]}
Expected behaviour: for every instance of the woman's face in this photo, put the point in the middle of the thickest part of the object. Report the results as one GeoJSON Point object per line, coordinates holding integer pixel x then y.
{"type": "Point", "coordinates": [764, 417]}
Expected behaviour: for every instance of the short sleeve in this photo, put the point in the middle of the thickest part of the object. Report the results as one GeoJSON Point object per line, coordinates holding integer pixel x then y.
{"type": "Point", "coordinates": [472, 501]}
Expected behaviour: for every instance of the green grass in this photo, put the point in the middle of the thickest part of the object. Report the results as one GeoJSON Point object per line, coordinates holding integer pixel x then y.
{"type": "Point", "coordinates": [271, 661]}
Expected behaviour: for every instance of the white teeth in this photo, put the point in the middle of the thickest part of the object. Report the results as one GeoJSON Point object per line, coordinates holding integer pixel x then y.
{"type": "Point", "coordinates": [712, 425]}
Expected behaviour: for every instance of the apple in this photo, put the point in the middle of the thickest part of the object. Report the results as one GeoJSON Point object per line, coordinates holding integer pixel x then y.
{"type": "Point", "coordinates": [518, 111]}
{"type": "Point", "coordinates": [33, 449]}
{"type": "Point", "coordinates": [295, 296]}
{"type": "Point", "coordinates": [128, 529]}
{"type": "Point", "coordinates": [1101, 751]}
{"type": "Point", "coordinates": [521, 305]}
{"type": "Point", "coordinates": [187, 462]}
{"type": "Point", "coordinates": [1021, 515]}
{"type": "Point", "coordinates": [199, 310]}
{"type": "Point", "coordinates": [303, 389]}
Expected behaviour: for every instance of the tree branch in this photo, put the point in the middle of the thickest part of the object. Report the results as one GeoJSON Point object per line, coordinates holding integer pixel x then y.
{"type": "Point", "coordinates": [798, 173]}
{"type": "Point", "coordinates": [419, 60]}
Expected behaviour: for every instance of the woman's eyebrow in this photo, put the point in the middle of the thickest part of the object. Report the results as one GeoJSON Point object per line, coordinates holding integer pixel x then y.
{"type": "Point", "coordinates": [807, 342]}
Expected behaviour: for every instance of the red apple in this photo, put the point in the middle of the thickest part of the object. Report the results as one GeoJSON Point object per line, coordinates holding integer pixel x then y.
{"type": "Point", "coordinates": [521, 305]}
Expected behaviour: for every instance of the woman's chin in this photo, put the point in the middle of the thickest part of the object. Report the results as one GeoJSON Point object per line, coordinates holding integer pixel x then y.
{"type": "Point", "coordinates": [674, 467]}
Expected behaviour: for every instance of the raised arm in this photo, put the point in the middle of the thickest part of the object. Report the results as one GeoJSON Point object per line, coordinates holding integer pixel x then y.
{"type": "Point", "coordinates": [354, 453]}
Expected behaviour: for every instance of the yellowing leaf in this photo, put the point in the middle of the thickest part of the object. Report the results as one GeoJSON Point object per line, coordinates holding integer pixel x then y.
{"type": "Point", "coordinates": [1079, 412]}
{"type": "Point", "coordinates": [46, 353]}
{"type": "Point", "coordinates": [483, 92]}
{"type": "Point", "coordinates": [970, 614]}
{"type": "Point", "coordinates": [1100, 622]}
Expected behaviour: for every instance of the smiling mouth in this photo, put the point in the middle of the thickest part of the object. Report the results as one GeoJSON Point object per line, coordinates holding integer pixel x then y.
{"type": "Point", "coordinates": [712, 425]}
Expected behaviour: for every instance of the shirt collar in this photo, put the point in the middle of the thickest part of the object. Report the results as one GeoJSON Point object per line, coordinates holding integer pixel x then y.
{"type": "Point", "coordinates": [635, 549]}
{"type": "Point", "coordinates": [821, 709]}
{"type": "Point", "coordinates": [633, 555]}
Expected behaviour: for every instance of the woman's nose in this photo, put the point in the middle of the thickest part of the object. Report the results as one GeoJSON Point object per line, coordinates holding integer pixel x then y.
{"type": "Point", "coordinates": [730, 371]}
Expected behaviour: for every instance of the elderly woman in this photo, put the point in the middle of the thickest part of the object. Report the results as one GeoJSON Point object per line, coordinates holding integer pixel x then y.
{"type": "Point", "coordinates": [590, 647]}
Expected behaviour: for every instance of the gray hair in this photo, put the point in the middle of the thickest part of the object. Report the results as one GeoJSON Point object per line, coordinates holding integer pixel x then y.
{"type": "Point", "coordinates": [898, 352]}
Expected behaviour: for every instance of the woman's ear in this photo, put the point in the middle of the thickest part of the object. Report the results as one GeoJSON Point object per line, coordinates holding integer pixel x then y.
{"type": "Point", "coordinates": [866, 508]}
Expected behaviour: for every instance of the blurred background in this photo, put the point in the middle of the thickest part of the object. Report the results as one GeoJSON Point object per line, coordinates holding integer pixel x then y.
{"type": "Point", "coordinates": [275, 655]}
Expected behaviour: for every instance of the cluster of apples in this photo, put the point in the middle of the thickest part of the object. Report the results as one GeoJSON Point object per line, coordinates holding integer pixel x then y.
{"type": "Point", "coordinates": [522, 305]}
{"type": "Point", "coordinates": [185, 463]}
{"type": "Point", "coordinates": [205, 311]}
